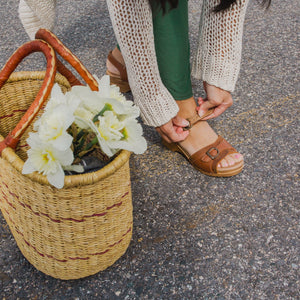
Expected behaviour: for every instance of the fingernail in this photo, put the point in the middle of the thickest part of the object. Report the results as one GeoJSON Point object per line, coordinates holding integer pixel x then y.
{"type": "Point", "coordinates": [186, 123]}
{"type": "Point", "coordinates": [237, 155]}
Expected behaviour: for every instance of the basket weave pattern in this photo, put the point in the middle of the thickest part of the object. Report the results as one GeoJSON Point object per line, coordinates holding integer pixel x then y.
{"type": "Point", "coordinates": [69, 233]}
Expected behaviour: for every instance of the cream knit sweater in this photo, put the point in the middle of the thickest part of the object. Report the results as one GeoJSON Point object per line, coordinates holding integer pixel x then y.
{"type": "Point", "coordinates": [35, 14]}
{"type": "Point", "coordinates": [217, 59]}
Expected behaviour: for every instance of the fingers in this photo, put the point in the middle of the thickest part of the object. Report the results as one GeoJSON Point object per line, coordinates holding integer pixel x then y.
{"type": "Point", "coordinates": [173, 130]}
{"type": "Point", "coordinates": [200, 101]}
{"type": "Point", "coordinates": [173, 136]}
{"type": "Point", "coordinates": [217, 112]}
{"type": "Point", "coordinates": [180, 122]}
{"type": "Point", "coordinates": [205, 106]}
{"type": "Point", "coordinates": [217, 98]}
{"type": "Point", "coordinates": [220, 102]}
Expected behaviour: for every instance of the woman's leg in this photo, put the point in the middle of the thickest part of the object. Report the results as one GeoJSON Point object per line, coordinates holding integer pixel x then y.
{"type": "Point", "coordinates": [171, 35]}
{"type": "Point", "coordinates": [173, 58]}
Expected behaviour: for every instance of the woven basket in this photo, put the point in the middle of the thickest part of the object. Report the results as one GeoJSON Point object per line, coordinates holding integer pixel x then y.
{"type": "Point", "coordinates": [66, 233]}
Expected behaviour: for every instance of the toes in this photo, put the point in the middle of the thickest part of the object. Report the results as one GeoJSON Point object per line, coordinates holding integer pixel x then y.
{"type": "Point", "coordinates": [223, 163]}
{"type": "Point", "coordinates": [238, 157]}
{"type": "Point", "coordinates": [230, 160]}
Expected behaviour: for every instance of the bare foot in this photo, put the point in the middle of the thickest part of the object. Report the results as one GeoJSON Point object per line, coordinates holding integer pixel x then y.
{"type": "Point", "coordinates": [202, 135]}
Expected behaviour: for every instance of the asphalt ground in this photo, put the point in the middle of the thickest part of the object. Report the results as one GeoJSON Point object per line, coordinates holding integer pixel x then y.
{"type": "Point", "coordinates": [194, 236]}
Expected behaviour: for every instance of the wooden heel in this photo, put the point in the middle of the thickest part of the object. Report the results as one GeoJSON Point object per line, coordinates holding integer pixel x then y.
{"type": "Point", "coordinates": [123, 85]}
{"type": "Point", "coordinates": [121, 79]}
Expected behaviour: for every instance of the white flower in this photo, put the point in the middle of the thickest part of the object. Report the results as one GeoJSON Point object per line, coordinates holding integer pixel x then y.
{"type": "Point", "coordinates": [102, 143]}
{"type": "Point", "coordinates": [107, 96]}
{"type": "Point", "coordinates": [110, 127]}
{"type": "Point", "coordinates": [89, 99]}
{"type": "Point", "coordinates": [58, 97]}
{"type": "Point", "coordinates": [113, 92]}
{"type": "Point", "coordinates": [130, 110]}
{"type": "Point", "coordinates": [48, 160]}
{"type": "Point", "coordinates": [110, 116]}
{"type": "Point", "coordinates": [103, 86]}
{"type": "Point", "coordinates": [106, 112]}
{"type": "Point", "coordinates": [82, 117]}
{"type": "Point", "coordinates": [53, 124]}
{"type": "Point", "coordinates": [132, 139]}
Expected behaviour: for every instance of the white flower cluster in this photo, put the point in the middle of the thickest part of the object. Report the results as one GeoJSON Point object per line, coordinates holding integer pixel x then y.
{"type": "Point", "coordinates": [110, 116]}
{"type": "Point", "coordinates": [105, 112]}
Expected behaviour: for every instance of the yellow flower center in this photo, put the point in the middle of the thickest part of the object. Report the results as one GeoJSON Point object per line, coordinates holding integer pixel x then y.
{"type": "Point", "coordinates": [125, 134]}
{"type": "Point", "coordinates": [47, 156]}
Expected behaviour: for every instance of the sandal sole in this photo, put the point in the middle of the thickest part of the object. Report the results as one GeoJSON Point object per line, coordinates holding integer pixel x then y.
{"type": "Point", "coordinates": [231, 173]}
{"type": "Point", "coordinates": [226, 172]}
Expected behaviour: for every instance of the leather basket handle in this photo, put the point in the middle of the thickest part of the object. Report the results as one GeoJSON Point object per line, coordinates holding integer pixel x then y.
{"type": "Point", "coordinates": [33, 46]}
{"type": "Point", "coordinates": [68, 56]}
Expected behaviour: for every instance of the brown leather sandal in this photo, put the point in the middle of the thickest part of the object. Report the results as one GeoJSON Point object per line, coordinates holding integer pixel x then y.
{"type": "Point", "coordinates": [206, 160]}
{"type": "Point", "coordinates": [121, 80]}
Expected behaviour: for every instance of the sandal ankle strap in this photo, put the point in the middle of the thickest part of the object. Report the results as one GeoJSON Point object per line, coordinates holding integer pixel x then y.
{"type": "Point", "coordinates": [122, 69]}
{"type": "Point", "coordinates": [196, 118]}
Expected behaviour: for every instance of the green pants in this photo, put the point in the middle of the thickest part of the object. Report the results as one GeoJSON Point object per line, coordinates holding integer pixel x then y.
{"type": "Point", "coordinates": [171, 37]}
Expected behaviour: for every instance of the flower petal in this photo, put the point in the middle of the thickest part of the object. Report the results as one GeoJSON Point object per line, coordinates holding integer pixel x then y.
{"type": "Point", "coordinates": [28, 168]}
{"type": "Point", "coordinates": [62, 142]}
{"type": "Point", "coordinates": [57, 179]}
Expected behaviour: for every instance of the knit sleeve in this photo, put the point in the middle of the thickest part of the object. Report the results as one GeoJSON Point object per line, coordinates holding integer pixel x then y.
{"type": "Point", "coordinates": [218, 57]}
{"type": "Point", "coordinates": [35, 14]}
{"type": "Point", "coordinates": [132, 23]}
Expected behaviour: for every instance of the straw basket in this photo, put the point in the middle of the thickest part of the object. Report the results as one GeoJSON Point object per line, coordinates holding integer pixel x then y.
{"type": "Point", "coordinates": [69, 233]}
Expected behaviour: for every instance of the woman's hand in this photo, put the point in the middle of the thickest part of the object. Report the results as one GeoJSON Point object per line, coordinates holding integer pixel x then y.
{"type": "Point", "coordinates": [173, 130]}
{"type": "Point", "coordinates": [216, 98]}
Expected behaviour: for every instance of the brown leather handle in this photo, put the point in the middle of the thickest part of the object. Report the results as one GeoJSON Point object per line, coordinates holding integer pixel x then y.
{"type": "Point", "coordinates": [71, 58]}
{"type": "Point", "coordinates": [34, 46]}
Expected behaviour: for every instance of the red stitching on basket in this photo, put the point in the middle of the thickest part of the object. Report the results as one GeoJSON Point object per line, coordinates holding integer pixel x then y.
{"type": "Point", "coordinates": [62, 219]}
{"type": "Point", "coordinates": [9, 203]}
{"type": "Point", "coordinates": [28, 244]}
{"type": "Point", "coordinates": [22, 146]}
{"type": "Point", "coordinates": [116, 243]}
{"type": "Point", "coordinates": [34, 248]}
{"type": "Point", "coordinates": [5, 184]}
{"type": "Point", "coordinates": [6, 199]}
{"type": "Point", "coordinates": [13, 112]}
{"type": "Point", "coordinates": [70, 258]}
{"type": "Point", "coordinates": [14, 195]}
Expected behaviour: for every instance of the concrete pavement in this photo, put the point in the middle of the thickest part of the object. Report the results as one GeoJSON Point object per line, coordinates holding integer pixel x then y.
{"type": "Point", "coordinates": [194, 236]}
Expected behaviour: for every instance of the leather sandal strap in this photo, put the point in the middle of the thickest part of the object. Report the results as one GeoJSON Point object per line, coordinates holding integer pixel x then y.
{"type": "Point", "coordinates": [210, 156]}
{"type": "Point", "coordinates": [196, 118]}
{"type": "Point", "coordinates": [121, 68]}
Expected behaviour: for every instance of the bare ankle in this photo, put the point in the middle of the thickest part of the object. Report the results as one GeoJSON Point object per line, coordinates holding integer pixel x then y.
{"type": "Point", "coordinates": [187, 107]}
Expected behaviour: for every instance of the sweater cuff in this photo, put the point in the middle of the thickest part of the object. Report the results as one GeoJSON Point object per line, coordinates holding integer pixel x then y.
{"type": "Point", "coordinates": [157, 112]}
{"type": "Point", "coordinates": [222, 74]}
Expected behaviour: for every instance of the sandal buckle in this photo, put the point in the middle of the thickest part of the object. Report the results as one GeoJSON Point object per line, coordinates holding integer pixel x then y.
{"type": "Point", "coordinates": [188, 127]}
{"type": "Point", "coordinates": [212, 156]}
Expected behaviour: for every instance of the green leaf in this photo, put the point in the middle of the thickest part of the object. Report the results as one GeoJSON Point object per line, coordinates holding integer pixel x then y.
{"type": "Point", "coordinates": [101, 113]}
{"type": "Point", "coordinates": [93, 142]}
